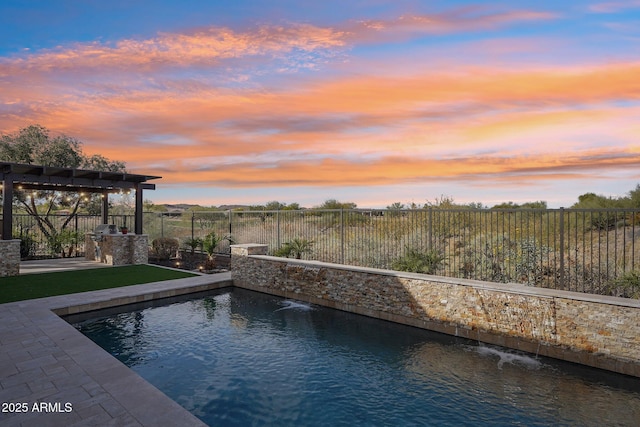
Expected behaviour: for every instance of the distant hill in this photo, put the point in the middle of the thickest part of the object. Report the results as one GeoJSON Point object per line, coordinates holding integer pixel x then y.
{"type": "Point", "coordinates": [182, 207]}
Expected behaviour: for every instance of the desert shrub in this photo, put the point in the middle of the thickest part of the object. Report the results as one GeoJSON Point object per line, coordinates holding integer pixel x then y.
{"type": "Point", "coordinates": [295, 248]}
{"type": "Point", "coordinates": [627, 285]}
{"type": "Point", "coordinates": [165, 247]}
{"type": "Point", "coordinates": [417, 261]}
{"type": "Point", "coordinates": [193, 243]}
{"type": "Point", "coordinates": [528, 261]}
{"type": "Point", "coordinates": [486, 259]}
{"type": "Point", "coordinates": [501, 259]}
{"type": "Point", "coordinates": [27, 246]}
{"type": "Point", "coordinates": [63, 243]}
{"type": "Point", "coordinates": [604, 220]}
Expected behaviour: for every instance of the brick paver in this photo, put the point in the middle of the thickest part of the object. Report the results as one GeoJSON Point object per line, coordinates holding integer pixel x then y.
{"type": "Point", "coordinates": [52, 375]}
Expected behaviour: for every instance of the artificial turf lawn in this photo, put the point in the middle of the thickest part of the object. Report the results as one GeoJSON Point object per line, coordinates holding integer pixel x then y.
{"type": "Point", "coordinates": [30, 286]}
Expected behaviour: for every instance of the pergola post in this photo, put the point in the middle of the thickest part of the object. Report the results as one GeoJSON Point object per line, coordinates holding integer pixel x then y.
{"type": "Point", "coordinates": [7, 207]}
{"type": "Point", "coordinates": [105, 207]}
{"type": "Point", "coordinates": [138, 212]}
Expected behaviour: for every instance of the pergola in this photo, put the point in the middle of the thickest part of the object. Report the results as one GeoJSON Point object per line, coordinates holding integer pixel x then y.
{"type": "Point", "coordinates": [33, 177]}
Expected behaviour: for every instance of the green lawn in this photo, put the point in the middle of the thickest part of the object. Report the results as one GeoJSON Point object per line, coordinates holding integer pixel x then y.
{"type": "Point", "coordinates": [29, 286]}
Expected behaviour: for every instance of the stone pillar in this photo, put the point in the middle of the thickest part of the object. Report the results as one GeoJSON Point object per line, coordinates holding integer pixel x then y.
{"type": "Point", "coordinates": [7, 208]}
{"type": "Point", "coordinates": [249, 249]}
{"type": "Point", "coordinates": [140, 243]}
{"type": "Point", "coordinates": [243, 269]}
{"type": "Point", "coordinates": [9, 257]}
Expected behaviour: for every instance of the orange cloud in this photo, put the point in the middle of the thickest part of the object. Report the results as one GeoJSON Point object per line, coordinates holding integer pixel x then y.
{"type": "Point", "coordinates": [466, 111]}
{"type": "Point", "coordinates": [202, 47]}
{"type": "Point", "coordinates": [370, 128]}
{"type": "Point", "coordinates": [297, 45]}
{"type": "Point", "coordinates": [395, 170]}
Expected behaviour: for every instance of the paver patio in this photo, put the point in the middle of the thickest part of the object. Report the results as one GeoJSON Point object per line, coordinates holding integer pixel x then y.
{"type": "Point", "coordinates": [46, 361]}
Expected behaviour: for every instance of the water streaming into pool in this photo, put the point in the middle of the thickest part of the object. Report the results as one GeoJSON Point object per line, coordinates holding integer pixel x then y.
{"type": "Point", "coordinates": [240, 358]}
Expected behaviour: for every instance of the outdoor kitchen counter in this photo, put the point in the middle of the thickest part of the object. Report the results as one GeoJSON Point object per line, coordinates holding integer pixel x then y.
{"type": "Point", "coordinates": [117, 249]}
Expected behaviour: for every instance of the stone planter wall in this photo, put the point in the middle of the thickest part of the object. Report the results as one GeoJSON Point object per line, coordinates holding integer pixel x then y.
{"type": "Point", "coordinates": [9, 258]}
{"type": "Point", "coordinates": [598, 331]}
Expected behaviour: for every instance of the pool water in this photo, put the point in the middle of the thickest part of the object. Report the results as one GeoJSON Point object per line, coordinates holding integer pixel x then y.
{"type": "Point", "coordinates": [242, 358]}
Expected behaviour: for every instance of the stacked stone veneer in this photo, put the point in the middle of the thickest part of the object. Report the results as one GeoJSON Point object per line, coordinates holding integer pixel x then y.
{"type": "Point", "coordinates": [118, 249]}
{"type": "Point", "coordinates": [9, 258]}
{"type": "Point", "coordinates": [598, 331]}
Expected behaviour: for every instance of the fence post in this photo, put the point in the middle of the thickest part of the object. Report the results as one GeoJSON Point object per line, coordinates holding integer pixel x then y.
{"type": "Point", "coordinates": [342, 236]}
{"type": "Point", "coordinates": [430, 229]}
{"type": "Point", "coordinates": [230, 228]}
{"type": "Point", "coordinates": [193, 219]}
{"type": "Point", "coordinates": [161, 224]}
{"type": "Point", "coordinates": [278, 229]}
{"type": "Point", "coordinates": [76, 237]}
{"type": "Point", "coordinates": [562, 249]}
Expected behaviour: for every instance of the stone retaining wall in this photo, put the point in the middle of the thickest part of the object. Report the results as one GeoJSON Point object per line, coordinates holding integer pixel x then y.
{"type": "Point", "coordinates": [594, 330]}
{"type": "Point", "coordinates": [9, 258]}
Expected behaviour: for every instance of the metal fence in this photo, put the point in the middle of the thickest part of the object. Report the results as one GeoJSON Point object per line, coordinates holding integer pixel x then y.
{"type": "Point", "coordinates": [36, 244]}
{"type": "Point", "coordinates": [586, 250]}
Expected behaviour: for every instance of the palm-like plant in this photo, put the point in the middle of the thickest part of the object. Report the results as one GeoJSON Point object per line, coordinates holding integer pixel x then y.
{"type": "Point", "coordinates": [296, 248]}
{"type": "Point", "coordinates": [211, 242]}
{"type": "Point", "coordinates": [193, 244]}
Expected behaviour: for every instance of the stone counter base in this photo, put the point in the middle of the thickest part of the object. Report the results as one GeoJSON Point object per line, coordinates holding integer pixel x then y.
{"type": "Point", "coordinates": [598, 331]}
{"type": "Point", "coordinates": [118, 249]}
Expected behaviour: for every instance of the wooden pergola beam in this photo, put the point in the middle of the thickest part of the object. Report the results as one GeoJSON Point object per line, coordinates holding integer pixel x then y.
{"type": "Point", "coordinates": [17, 176]}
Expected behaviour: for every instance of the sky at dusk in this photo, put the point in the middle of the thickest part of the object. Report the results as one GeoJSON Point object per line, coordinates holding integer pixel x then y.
{"type": "Point", "coordinates": [366, 101]}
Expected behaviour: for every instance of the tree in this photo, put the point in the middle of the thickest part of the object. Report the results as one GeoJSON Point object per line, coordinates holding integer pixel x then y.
{"type": "Point", "coordinates": [506, 205]}
{"type": "Point", "coordinates": [334, 204]}
{"type": "Point", "coordinates": [34, 145]}
{"type": "Point", "coordinates": [397, 206]}
{"type": "Point", "coordinates": [149, 206]}
{"type": "Point", "coordinates": [596, 201]}
{"type": "Point", "coordinates": [395, 209]}
{"type": "Point", "coordinates": [292, 207]}
{"type": "Point", "coordinates": [539, 204]}
{"type": "Point", "coordinates": [274, 205]}
{"type": "Point", "coordinates": [634, 197]}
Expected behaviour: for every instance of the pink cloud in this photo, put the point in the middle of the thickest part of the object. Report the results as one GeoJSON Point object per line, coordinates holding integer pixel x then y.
{"type": "Point", "coordinates": [614, 6]}
{"type": "Point", "coordinates": [456, 21]}
{"type": "Point", "coordinates": [201, 47]}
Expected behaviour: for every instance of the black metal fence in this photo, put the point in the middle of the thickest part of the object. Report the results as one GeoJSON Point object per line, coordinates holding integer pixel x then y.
{"type": "Point", "coordinates": [586, 250]}
{"type": "Point", "coordinates": [65, 242]}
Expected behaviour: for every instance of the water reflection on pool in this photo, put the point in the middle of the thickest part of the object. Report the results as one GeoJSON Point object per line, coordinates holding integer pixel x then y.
{"type": "Point", "coordinates": [242, 358]}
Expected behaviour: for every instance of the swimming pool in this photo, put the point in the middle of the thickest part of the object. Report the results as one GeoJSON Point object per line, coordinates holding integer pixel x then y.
{"type": "Point", "coordinates": [242, 358]}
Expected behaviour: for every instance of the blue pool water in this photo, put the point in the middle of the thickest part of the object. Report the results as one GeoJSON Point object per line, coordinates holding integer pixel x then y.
{"type": "Point", "coordinates": [241, 358]}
